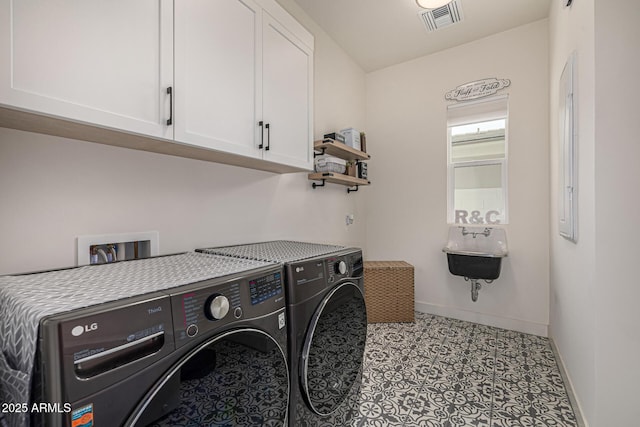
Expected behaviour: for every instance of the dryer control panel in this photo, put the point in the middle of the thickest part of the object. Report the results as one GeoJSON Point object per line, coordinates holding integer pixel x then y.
{"type": "Point", "coordinates": [310, 277]}
{"type": "Point", "coordinates": [356, 264]}
{"type": "Point", "coordinates": [337, 268]}
{"type": "Point", "coordinates": [213, 304]}
{"type": "Point", "coordinates": [344, 266]}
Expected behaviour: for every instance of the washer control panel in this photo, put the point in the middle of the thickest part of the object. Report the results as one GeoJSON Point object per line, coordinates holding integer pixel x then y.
{"type": "Point", "coordinates": [203, 307]}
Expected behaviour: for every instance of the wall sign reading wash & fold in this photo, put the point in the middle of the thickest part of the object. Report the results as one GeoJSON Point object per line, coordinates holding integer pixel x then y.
{"type": "Point", "coordinates": [477, 89]}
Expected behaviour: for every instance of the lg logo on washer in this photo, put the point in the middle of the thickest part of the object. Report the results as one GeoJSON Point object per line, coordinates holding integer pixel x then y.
{"type": "Point", "coordinates": [79, 330]}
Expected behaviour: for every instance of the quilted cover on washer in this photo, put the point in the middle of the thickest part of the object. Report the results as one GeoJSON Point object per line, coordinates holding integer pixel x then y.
{"type": "Point", "coordinates": [276, 251]}
{"type": "Point", "coordinates": [26, 299]}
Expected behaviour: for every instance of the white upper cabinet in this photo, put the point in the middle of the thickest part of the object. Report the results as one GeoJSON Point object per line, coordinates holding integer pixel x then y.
{"type": "Point", "coordinates": [243, 80]}
{"type": "Point", "coordinates": [107, 63]}
{"type": "Point", "coordinates": [287, 75]}
{"type": "Point", "coordinates": [217, 68]}
{"type": "Point", "coordinates": [101, 70]}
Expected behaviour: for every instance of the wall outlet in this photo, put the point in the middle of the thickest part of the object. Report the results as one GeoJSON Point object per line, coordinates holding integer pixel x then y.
{"type": "Point", "coordinates": [103, 248]}
{"type": "Point", "coordinates": [349, 219]}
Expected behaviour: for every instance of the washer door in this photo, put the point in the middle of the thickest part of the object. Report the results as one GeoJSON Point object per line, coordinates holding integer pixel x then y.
{"type": "Point", "coordinates": [239, 378]}
{"type": "Point", "coordinates": [333, 349]}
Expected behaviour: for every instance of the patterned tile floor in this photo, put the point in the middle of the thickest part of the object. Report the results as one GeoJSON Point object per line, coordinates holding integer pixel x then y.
{"type": "Point", "coordinates": [441, 372]}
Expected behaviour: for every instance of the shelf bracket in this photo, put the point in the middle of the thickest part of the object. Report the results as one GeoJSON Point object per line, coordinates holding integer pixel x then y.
{"type": "Point", "coordinates": [349, 190]}
{"type": "Point", "coordinates": [319, 154]}
{"type": "Point", "coordinates": [315, 184]}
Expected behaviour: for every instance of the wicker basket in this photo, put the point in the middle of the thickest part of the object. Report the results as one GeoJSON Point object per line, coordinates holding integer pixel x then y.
{"type": "Point", "coordinates": [388, 288]}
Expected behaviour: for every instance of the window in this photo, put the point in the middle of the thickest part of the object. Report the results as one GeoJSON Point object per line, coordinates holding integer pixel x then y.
{"type": "Point", "coordinates": [477, 162]}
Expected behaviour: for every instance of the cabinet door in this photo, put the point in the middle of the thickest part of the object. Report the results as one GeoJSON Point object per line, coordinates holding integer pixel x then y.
{"type": "Point", "coordinates": [287, 82]}
{"type": "Point", "coordinates": [102, 62]}
{"type": "Point", "coordinates": [216, 72]}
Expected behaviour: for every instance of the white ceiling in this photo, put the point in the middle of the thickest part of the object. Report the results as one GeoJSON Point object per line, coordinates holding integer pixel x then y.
{"type": "Point", "coordinates": [380, 33]}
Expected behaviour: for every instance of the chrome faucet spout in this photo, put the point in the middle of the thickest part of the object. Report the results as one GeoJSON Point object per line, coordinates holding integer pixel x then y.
{"type": "Point", "coordinates": [474, 234]}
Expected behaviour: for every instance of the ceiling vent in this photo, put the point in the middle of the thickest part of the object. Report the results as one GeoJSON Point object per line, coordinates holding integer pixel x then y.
{"type": "Point", "coordinates": [435, 19]}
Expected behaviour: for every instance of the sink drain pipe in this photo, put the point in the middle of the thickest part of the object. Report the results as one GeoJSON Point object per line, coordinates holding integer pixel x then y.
{"type": "Point", "coordinates": [475, 287]}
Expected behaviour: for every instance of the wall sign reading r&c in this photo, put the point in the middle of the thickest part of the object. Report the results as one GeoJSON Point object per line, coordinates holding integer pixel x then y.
{"type": "Point", "coordinates": [476, 217]}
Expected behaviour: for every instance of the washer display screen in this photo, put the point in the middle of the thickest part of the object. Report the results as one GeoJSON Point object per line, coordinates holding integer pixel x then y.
{"type": "Point", "coordinates": [264, 288]}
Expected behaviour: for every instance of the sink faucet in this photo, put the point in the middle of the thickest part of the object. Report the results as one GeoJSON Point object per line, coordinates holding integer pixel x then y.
{"type": "Point", "coordinates": [485, 233]}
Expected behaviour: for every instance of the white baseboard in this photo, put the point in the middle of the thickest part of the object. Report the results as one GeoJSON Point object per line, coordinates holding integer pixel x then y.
{"type": "Point", "coordinates": [575, 403]}
{"type": "Point", "coordinates": [519, 325]}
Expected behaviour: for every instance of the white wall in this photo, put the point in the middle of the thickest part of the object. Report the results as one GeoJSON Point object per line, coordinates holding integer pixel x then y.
{"type": "Point", "coordinates": [53, 189]}
{"type": "Point", "coordinates": [572, 273]}
{"type": "Point", "coordinates": [407, 202]}
{"type": "Point", "coordinates": [594, 292]}
{"type": "Point", "coordinates": [617, 153]}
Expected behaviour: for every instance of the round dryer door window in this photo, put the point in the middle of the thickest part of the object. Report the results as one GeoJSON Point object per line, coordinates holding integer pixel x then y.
{"type": "Point", "coordinates": [236, 379]}
{"type": "Point", "coordinates": [334, 348]}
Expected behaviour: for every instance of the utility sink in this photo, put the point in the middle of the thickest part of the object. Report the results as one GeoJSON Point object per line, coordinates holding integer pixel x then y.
{"type": "Point", "coordinates": [476, 253]}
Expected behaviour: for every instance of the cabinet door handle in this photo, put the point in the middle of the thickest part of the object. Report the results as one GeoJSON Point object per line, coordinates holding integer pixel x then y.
{"type": "Point", "coordinates": [170, 93]}
{"type": "Point", "coordinates": [261, 124]}
{"type": "Point", "coordinates": [268, 137]}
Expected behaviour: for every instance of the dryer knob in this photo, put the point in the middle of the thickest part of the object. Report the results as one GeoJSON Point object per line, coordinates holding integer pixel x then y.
{"type": "Point", "coordinates": [217, 307]}
{"type": "Point", "coordinates": [340, 267]}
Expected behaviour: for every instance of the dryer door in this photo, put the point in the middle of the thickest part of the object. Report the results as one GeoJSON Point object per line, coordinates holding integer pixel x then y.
{"type": "Point", "coordinates": [239, 378]}
{"type": "Point", "coordinates": [333, 349]}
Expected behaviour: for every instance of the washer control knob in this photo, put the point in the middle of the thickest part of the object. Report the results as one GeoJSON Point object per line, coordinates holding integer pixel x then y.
{"type": "Point", "coordinates": [192, 331]}
{"type": "Point", "coordinates": [217, 307]}
{"type": "Point", "coordinates": [340, 267]}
